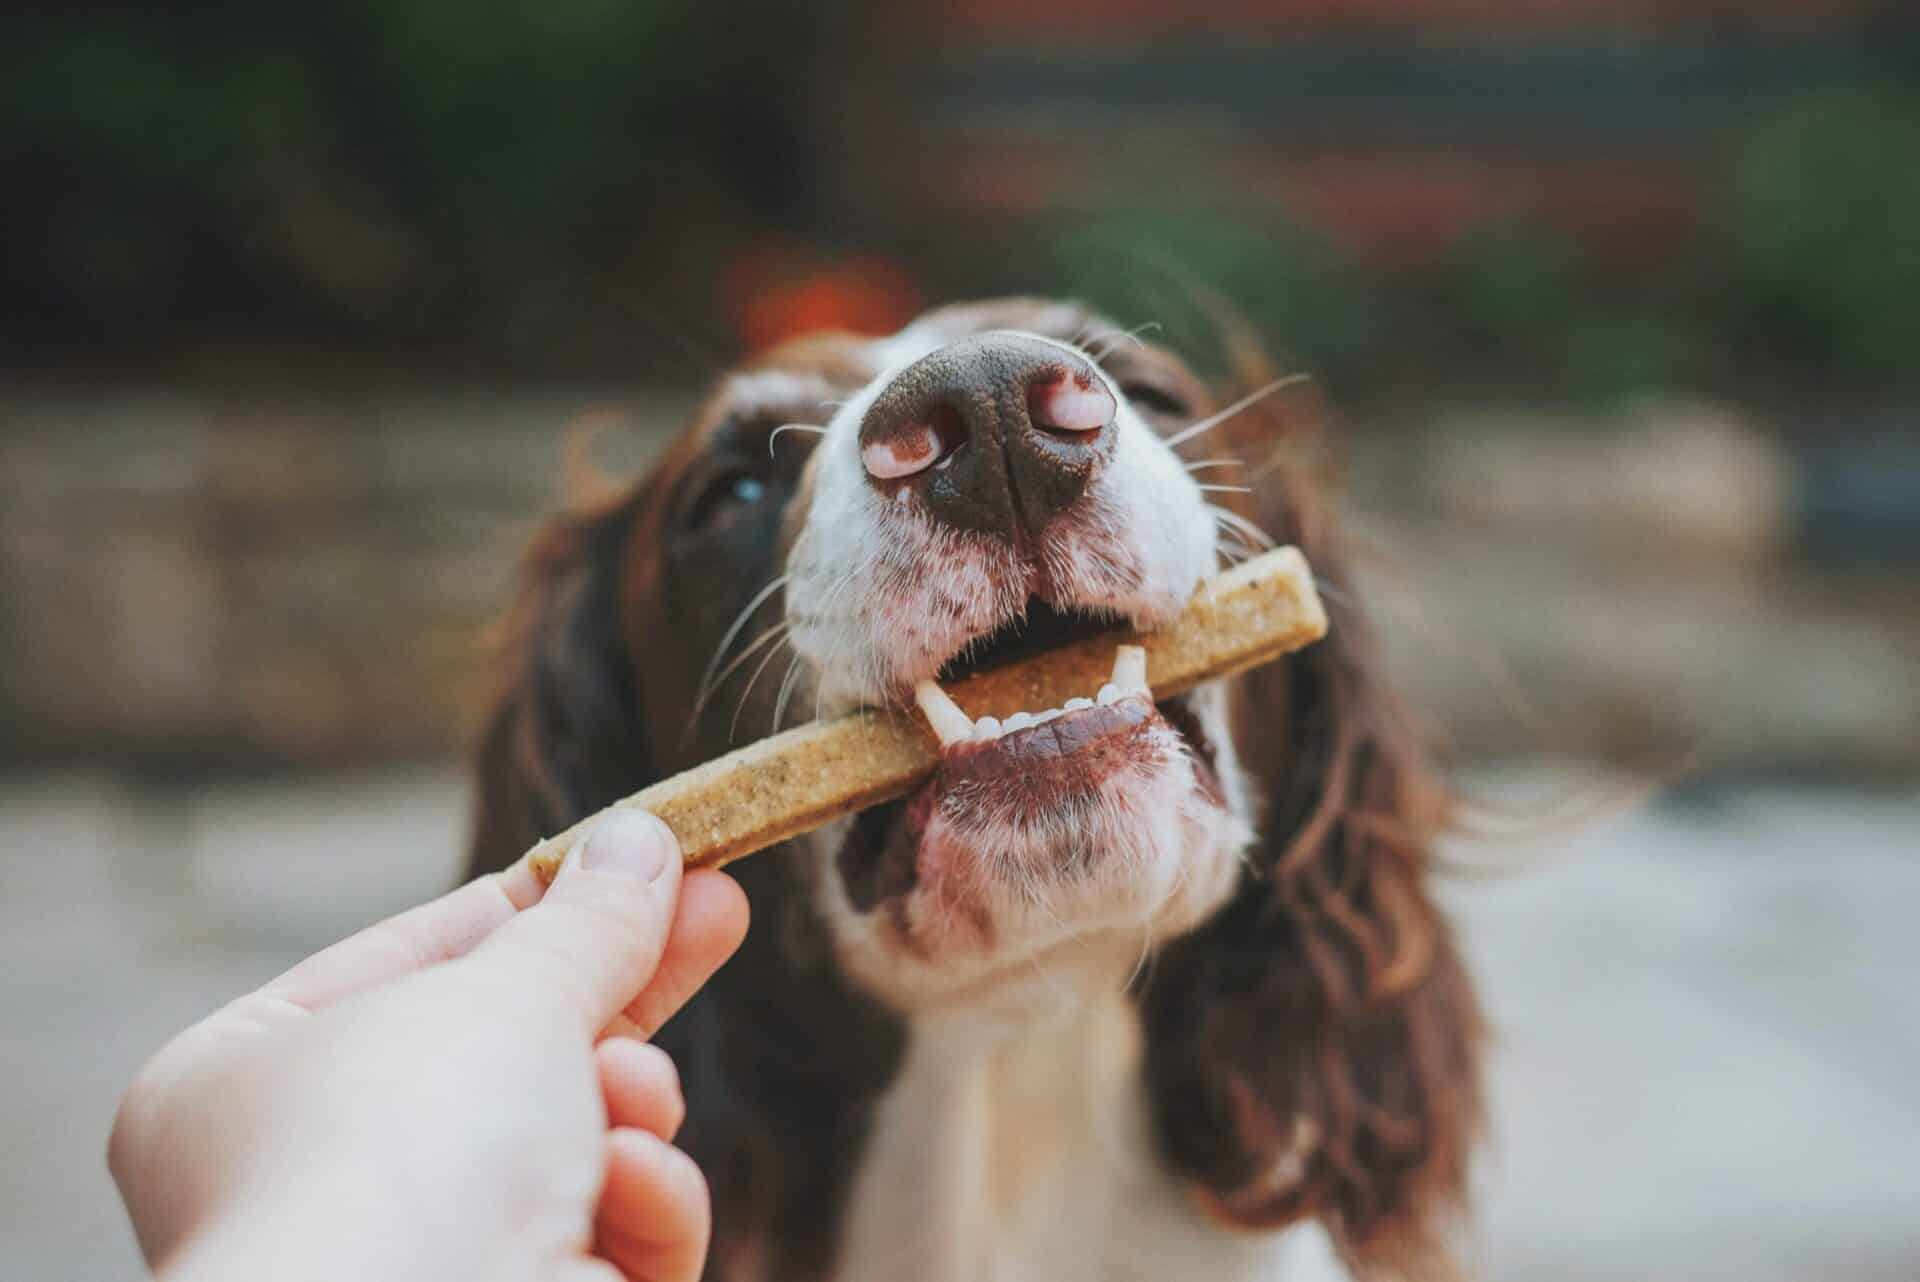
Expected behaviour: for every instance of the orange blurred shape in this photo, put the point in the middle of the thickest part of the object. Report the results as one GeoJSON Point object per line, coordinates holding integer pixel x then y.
{"type": "Point", "coordinates": [778, 293]}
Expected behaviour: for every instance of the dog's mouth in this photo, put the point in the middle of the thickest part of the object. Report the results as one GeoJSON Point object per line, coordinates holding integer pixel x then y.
{"type": "Point", "coordinates": [1038, 628]}
{"type": "Point", "coordinates": [1023, 783]}
{"type": "Point", "coordinates": [1043, 751]}
{"type": "Point", "coordinates": [988, 747]}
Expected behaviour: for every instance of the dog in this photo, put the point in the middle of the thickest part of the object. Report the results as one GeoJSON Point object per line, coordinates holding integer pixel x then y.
{"type": "Point", "coordinates": [1165, 999]}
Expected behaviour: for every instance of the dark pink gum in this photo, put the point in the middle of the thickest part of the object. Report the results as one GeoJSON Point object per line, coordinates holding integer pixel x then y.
{"type": "Point", "coordinates": [1085, 740]}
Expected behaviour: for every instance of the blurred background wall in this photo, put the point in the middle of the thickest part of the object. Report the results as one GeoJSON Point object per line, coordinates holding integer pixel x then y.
{"type": "Point", "coordinates": [297, 303]}
{"type": "Point", "coordinates": [1616, 305]}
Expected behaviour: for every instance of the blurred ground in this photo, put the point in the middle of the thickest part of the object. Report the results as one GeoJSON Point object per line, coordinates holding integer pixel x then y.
{"type": "Point", "coordinates": [1705, 1059]}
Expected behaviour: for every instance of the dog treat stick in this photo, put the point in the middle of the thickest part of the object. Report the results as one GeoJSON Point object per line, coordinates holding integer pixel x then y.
{"type": "Point", "coordinates": [795, 781]}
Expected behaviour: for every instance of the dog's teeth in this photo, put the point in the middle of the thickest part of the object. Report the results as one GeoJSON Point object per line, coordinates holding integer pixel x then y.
{"type": "Point", "coordinates": [943, 714]}
{"type": "Point", "coordinates": [1130, 669]}
{"type": "Point", "coordinates": [986, 728]}
{"type": "Point", "coordinates": [1046, 716]}
{"type": "Point", "coordinates": [1074, 705]}
{"type": "Point", "coordinates": [1019, 721]}
{"type": "Point", "coordinates": [1109, 693]}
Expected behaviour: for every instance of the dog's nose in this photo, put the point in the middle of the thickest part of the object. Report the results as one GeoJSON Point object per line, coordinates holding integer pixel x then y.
{"type": "Point", "coordinates": [997, 433]}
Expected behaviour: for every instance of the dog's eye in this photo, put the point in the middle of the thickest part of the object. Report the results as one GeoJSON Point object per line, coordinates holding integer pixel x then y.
{"type": "Point", "coordinates": [1151, 398]}
{"type": "Point", "coordinates": [725, 495]}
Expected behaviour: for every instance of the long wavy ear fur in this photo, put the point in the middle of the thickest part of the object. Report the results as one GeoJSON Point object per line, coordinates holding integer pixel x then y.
{"type": "Point", "coordinates": [565, 735]}
{"type": "Point", "coordinates": [1311, 1050]}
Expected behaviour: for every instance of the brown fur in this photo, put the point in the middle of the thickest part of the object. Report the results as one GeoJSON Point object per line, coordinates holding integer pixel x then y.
{"type": "Point", "coordinates": [1323, 1014]}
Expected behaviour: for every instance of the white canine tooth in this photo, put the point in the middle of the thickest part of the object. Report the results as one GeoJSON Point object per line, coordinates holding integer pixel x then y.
{"type": "Point", "coordinates": [1019, 721]}
{"type": "Point", "coordinates": [943, 714]}
{"type": "Point", "coordinates": [1109, 693]}
{"type": "Point", "coordinates": [1130, 669]}
{"type": "Point", "coordinates": [1046, 716]}
{"type": "Point", "coordinates": [986, 728]}
{"type": "Point", "coordinates": [1074, 705]}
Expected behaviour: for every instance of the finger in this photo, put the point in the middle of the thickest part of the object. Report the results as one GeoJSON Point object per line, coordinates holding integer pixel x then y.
{"type": "Point", "coordinates": [655, 1215]}
{"type": "Point", "coordinates": [441, 930]}
{"type": "Point", "coordinates": [594, 941]}
{"type": "Point", "coordinates": [641, 1086]}
{"type": "Point", "coordinates": [708, 926]}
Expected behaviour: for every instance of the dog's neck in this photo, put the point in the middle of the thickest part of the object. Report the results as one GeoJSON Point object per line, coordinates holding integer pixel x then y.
{"type": "Point", "coordinates": [1014, 1145]}
{"type": "Point", "coordinates": [1009, 1109]}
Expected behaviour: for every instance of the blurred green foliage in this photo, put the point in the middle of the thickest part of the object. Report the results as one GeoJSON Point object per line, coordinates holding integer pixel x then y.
{"type": "Point", "coordinates": [1822, 220]}
{"type": "Point", "coordinates": [392, 167]}
{"type": "Point", "coordinates": [1514, 298]}
{"type": "Point", "coordinates": [1808, 267]}
{"type": "Point", "coordinates": [1516, 283]}
{"type": "Point", "coordinates": [1521, 296]}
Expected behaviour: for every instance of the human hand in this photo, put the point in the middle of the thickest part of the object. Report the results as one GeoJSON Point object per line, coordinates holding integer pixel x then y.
{"type": "Point", "coordinates": [433, 1097]}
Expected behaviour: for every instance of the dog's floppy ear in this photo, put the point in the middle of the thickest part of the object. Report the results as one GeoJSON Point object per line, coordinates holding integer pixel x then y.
{"type": "Point", "coordinates": [565, 735]}
{"type": "Point", "coordinates": [1311, 1049]}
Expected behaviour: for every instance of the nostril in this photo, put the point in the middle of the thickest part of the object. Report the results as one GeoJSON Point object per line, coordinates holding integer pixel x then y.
{"type": "Point", "coordinates": [1070, 403]}
{"type": "Point", "coordinates": [902, 454]}
{"type": "Point", "coordinates": [914, 447]}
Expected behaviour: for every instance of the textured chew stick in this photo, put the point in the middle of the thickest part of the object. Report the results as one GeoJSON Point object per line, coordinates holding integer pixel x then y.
{"type": "Point", "coordinates": [795, 781]}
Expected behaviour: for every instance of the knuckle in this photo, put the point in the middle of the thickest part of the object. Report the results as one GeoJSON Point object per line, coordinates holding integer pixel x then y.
{"type": "Point", "coordinates": [621, 910]}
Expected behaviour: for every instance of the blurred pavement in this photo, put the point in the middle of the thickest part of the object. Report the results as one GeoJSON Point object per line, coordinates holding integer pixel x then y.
{"type": "Point", "coordinates": [1705, 1065]}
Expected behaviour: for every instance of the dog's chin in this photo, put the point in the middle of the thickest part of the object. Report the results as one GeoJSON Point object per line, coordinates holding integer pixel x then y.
{"type": "Point", "coordinates": [1091, 836]}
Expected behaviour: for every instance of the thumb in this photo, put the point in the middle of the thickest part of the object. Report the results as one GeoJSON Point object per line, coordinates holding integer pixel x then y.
{"type": "Point", "coordinates": [595, 939]}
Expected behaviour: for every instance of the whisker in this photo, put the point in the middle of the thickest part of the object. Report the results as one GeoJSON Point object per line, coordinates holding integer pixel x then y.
{"type": "Point", "coordinates": [1114, 340]}
{"type": "Point", "coordinates": [833, 593]}
{"type": "Point", "coordinates": [1225, 489]}
{"type": "Point", "coordinates": [1232, 540]}
{"type": "Point", "coordinates": [775, 632]}
{"type": "Point", "coordinates": [1251, 533]}
{"type": "Point", "coordinates": [786, 692]}
{"type": "Point", "coordinates": [1239, 534]}
{"type": "Point", "coordinates": [733, 726]}
{"type": "Point", "coordinates": [1206, 463]}
{"type": "Point", "coordinates": [774, 435]}
{"type": "Point", "coordinates": [739, 622]}
{"type": "Point", "coordinates": [1251, 398]}
{"type": "Point", "coordinates": [1241, 525]}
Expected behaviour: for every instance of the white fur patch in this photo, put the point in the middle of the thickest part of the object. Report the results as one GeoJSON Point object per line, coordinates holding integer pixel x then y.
{"type": "Point", "coordinates": [1015, 1148]}
{"type": "Point", "coordinates": [1146, 860]}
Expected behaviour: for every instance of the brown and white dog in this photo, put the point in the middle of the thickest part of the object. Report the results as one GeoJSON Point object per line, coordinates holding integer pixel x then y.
{"type": "Point", "coordinates": [1163, 998]}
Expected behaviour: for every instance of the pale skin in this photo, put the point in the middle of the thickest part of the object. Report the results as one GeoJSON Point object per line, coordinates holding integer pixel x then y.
{"type": "Point", "coordinates": [461, 1091]}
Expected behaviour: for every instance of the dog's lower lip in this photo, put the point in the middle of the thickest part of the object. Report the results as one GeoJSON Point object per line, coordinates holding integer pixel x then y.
{"type": "Point", "coordinates": [1062, 741]}
{"type": "Point", "coordinates": [1019, 770]}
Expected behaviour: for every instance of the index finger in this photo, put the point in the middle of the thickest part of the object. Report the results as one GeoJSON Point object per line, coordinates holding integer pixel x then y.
{"type": "Point", "coordinates": [437, 931]}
